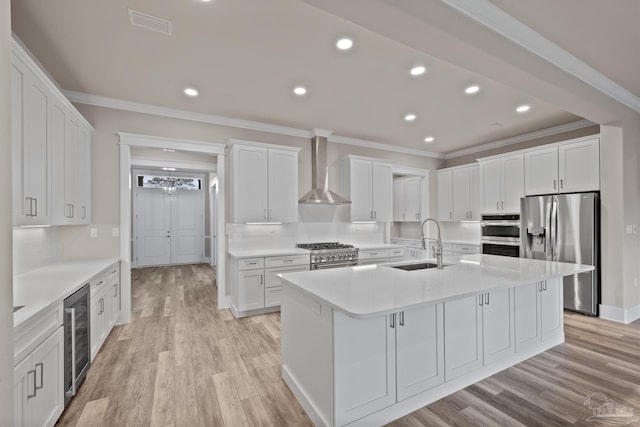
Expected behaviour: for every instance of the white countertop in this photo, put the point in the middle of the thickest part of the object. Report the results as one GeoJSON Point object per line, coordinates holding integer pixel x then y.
{"type": "Point", "coordinates": [374, 290]}
{"type": "Point", "coordinates": [252, 253]}
{"type": "Point", "coordinates": [39, 289]}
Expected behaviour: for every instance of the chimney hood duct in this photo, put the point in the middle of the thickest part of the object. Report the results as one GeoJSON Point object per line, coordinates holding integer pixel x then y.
{"type": "Point", "coordinates": [319, 193]}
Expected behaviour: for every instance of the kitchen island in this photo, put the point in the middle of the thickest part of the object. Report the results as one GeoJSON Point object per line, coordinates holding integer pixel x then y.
{"type": "Point", "coordinates": [368, 344]}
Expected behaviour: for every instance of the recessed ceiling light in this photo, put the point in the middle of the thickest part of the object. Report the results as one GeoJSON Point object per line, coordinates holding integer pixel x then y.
{"type": "Point", "coordinates": [472, 89]}
{"type": "Point", "coordinates": [168, 169]}
{"type": "Point", "coordinates": [344, 43]}
{"type": "Point", "coordinates": [409, 117]}
{"type": "Point", "coordinates": [523, 108]}
{"type": "Point", "coordinates": [168, 150]}
{"type": "Point", "coordinates": [300, 90]}
{"type": "Point", "coordinates": [189, 91]}
{"type": "Point", "coordinates": [418, 70]}
{"type": "Point", "coordinates": [429, 139]}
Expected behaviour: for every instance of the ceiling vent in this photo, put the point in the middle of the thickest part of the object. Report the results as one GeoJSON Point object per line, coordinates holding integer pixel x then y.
{"type": "Point", "coordinates": [149, 22]}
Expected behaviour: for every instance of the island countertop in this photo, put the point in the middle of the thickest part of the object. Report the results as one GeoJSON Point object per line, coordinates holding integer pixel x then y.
{"type": "Point", "coordinates": [373, 290]}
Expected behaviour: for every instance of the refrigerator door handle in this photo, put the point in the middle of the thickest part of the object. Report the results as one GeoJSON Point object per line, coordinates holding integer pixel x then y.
{"type": "Point", "coordinates": [554, 229]}
{"type": "Point", "coordinates": [548, 247]}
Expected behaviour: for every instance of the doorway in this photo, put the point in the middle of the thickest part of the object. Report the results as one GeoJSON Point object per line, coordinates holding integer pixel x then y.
{"type": "Point", "coordinates": [168, 218]}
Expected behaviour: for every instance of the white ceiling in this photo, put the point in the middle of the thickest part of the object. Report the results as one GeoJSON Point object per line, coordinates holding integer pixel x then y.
{"type": "Point", "coordinates": [245, 56]}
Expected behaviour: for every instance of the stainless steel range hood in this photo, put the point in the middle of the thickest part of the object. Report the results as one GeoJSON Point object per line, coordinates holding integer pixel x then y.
{"type": "Point", "coordinates": [319, 193]}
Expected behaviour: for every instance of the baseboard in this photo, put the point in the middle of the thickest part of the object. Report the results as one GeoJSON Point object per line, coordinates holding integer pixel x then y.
{"type": "Point", "coordinates": [619, 314]}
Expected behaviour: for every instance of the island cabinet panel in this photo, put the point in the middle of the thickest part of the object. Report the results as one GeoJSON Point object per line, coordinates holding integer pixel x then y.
{"type": "Point", "coordinates": [497, 325]}
{"type": "Point", "coordinates": [364, 365]}
{"type": "Point", "coordinates": [419, 350]}
{"type": "Point", "coordinates": [463, 336]}
{"type": "Point", "coordinates": [538, 314]}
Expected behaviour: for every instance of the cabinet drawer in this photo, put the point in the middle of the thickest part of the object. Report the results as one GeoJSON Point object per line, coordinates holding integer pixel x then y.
{"type": "Point", "coordinates": [396, 252]}
{"type": "Point", "coordinates": [32, 332]}
{"type": "Point", "coordinates": [413, 244]}
{"type": "Point", "coordinates": [112, 272]}
{"type": "Point", "coordinates": [250, 263]}
{"type": "Point", "coordinates": [397, 242]}
{"type": "Point", "coordinates": [272, 296]}
{"type": "Point", "coordinates": [466, 249]}
{"type": "Point", "coordinates": [283, 261]}
{"type": "Point", "coordinates": [373, 254]}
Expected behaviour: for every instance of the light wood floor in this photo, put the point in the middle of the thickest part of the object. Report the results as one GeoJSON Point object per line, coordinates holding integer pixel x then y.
{"type": "Point", "coordinates": [182, 362]}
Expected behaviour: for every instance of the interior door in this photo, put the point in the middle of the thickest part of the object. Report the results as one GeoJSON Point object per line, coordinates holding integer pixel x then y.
{"type": "Point", "coordinates": [152, 222]}
{"type": "Point", "coordinates": [187, 227]}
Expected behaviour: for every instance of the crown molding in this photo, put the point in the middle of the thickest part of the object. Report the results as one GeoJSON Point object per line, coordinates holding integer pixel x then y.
{"type": "Point", "coordinates": [380, 146]}
{"type": "Point", "coordinates": [579, 124]}
{"type": "Point", "coordinates": [137, 107]}
{"type": "Point", "coordinates": [497, 20]}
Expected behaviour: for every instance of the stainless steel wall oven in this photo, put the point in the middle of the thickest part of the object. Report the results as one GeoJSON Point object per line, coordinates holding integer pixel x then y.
{"type": "Point", "coordinates": [501, 234]}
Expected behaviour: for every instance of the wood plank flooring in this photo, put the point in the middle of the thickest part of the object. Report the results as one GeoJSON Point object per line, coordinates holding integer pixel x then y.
{"type": "Point", "coordinates": [182, 362]}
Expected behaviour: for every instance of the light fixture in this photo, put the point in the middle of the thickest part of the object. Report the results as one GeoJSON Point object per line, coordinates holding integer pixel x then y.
{"type": "Point", "coordinates": [300, 90]}
{"type": "Point", "coordinates": [523, 108]}
{"type": "Point", "coordinates": [429, 139]}
{"type": "Point", "coordinates": [168, 169]}
{"type": "Point", "coordinates": [344, 43]}
{"type": "Point", "coordinates": [470, 90]}
{"type": "Point", "coordinates": [168, 150]}
{"type": "Point", "coordinates": [189, 91]}
{"type": "Point", "coordinates": [169, 185]}
{"type": "Point", "coordinates": [418, 70]}
{"type": "Point", "coordinates": [409, 117]}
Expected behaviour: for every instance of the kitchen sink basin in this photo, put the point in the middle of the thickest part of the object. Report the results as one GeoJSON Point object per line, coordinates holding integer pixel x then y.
{"type": "Point", "coordinates": [416, 266]}
{"type": "Point", "coordinates": [16, 308]}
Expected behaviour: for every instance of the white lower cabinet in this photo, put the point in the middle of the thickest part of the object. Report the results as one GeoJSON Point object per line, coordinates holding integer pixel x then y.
{"type": "Point", "coordinates": [38, 384]}
{"type": "Point", "coordinates": [478, 331]}
{"type": "Point", "coordinates": [538, 314]}
{"type": "Point", "coordinates": [105, 305]}
{"type": "Point", "coordinates": [255, 284]}
{"type": "Point", "coordinates": [384, 360]}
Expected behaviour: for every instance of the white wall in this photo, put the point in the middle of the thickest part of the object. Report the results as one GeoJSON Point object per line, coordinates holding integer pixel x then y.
{"type": "Point", "coordinates": [6, 275]}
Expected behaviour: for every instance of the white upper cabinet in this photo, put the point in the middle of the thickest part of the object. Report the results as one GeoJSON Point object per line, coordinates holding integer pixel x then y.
{"type": "Point", "coordinates": [501, 184]}
{"type": "Point", "coordinates": [264, 186]}
{"type": "Point", "coordinates": [50, 145]}
{"type": "Point", "coordinates": [564, 168]}
{"type": "Point", "coordinates": [458, 194]}
{"type": "Point", "coordinates": [445, 195]}
{"type": "Point", "coordinates": [541, 171]}
{"type": "Point", "coordinates": [368, 183]}
{"type": "Point", "coordinates": [407, 199]}
{"type": "Point", "coordinates": [579, 166]}
{"type": "Point", "coordinates": [30, 142]}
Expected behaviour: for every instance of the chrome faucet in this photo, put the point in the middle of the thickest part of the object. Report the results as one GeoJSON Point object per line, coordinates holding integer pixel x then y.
{"type": "Point", "coordinates": [438, 242]}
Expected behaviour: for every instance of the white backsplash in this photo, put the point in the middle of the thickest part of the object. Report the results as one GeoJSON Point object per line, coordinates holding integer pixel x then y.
{"type": "Point", "coordinates": [244, 236]}
{"type": "Point", "coordinates": [461, 231]}
{"type": "Point", "coordinates": [33, 247]}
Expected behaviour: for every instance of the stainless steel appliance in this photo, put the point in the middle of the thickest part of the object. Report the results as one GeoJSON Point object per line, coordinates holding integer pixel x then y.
{"type": "Point", "coordinates": [330, 255]}
{"type": "Point", "coordinates": [501, 234]}
{"type": "Point", "coordinates": [566, 228]}
{"type": "Point", "coordinates": [77, 346]}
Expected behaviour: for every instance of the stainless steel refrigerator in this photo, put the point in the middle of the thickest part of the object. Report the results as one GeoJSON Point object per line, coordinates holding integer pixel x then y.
{"type": "Point", "coordinates": [565, 227]}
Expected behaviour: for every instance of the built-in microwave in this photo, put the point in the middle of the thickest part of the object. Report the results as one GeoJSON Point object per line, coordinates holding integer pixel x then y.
{"type": "Point", "coordinates": [501, 234]}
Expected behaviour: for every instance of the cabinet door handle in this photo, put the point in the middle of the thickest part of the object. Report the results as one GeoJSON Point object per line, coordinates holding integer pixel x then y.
{"type": "Point", "coordinates": [262, 279]}
{"type": "Point", "coordinates": [41, 365]}
{"type": "Point", "coordinates": [554, 184]}
{"type": "Point", "coordinates": [393, 320]}
{"type": "Point", "coordinates": [264, 215]}
{"type": "Point", "coordinates": [480, 299]}
{"type": "Point", "coordinates": [544, 285]}
{"type": "Point", "coordinates": [84, 212]}
{"type": "Point", "coordinates": [502, 205]}
{"type": "Point", "coordinates": [36, 203]}
{"type": "Point", "coordinates": [402, 318]}
{"type": "Point", "coordinates": [287, 260]}
{"type": "Point", "coordinates": [29, 396]}
{"type": "Point", "coordinates": [486, 300]}
{"type": "Point", "coordinates": [497, 206]}
{"type": "Point", "coordinates": [115, 290]}
{"type": "Point", "coordinates": [539, 287]}
{"type": "Point", "coordinates": [270, 213]}
{"type": "Point", "coordinates": [561, 183]}
{"type": "Point", "coordinates": [450, 215]}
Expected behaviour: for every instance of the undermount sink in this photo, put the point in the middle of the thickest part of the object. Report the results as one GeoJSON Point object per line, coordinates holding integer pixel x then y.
{"type": "Point", "coordinates": [416, 266]}
{"type": "Point", "coordinates": [16, 308]}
